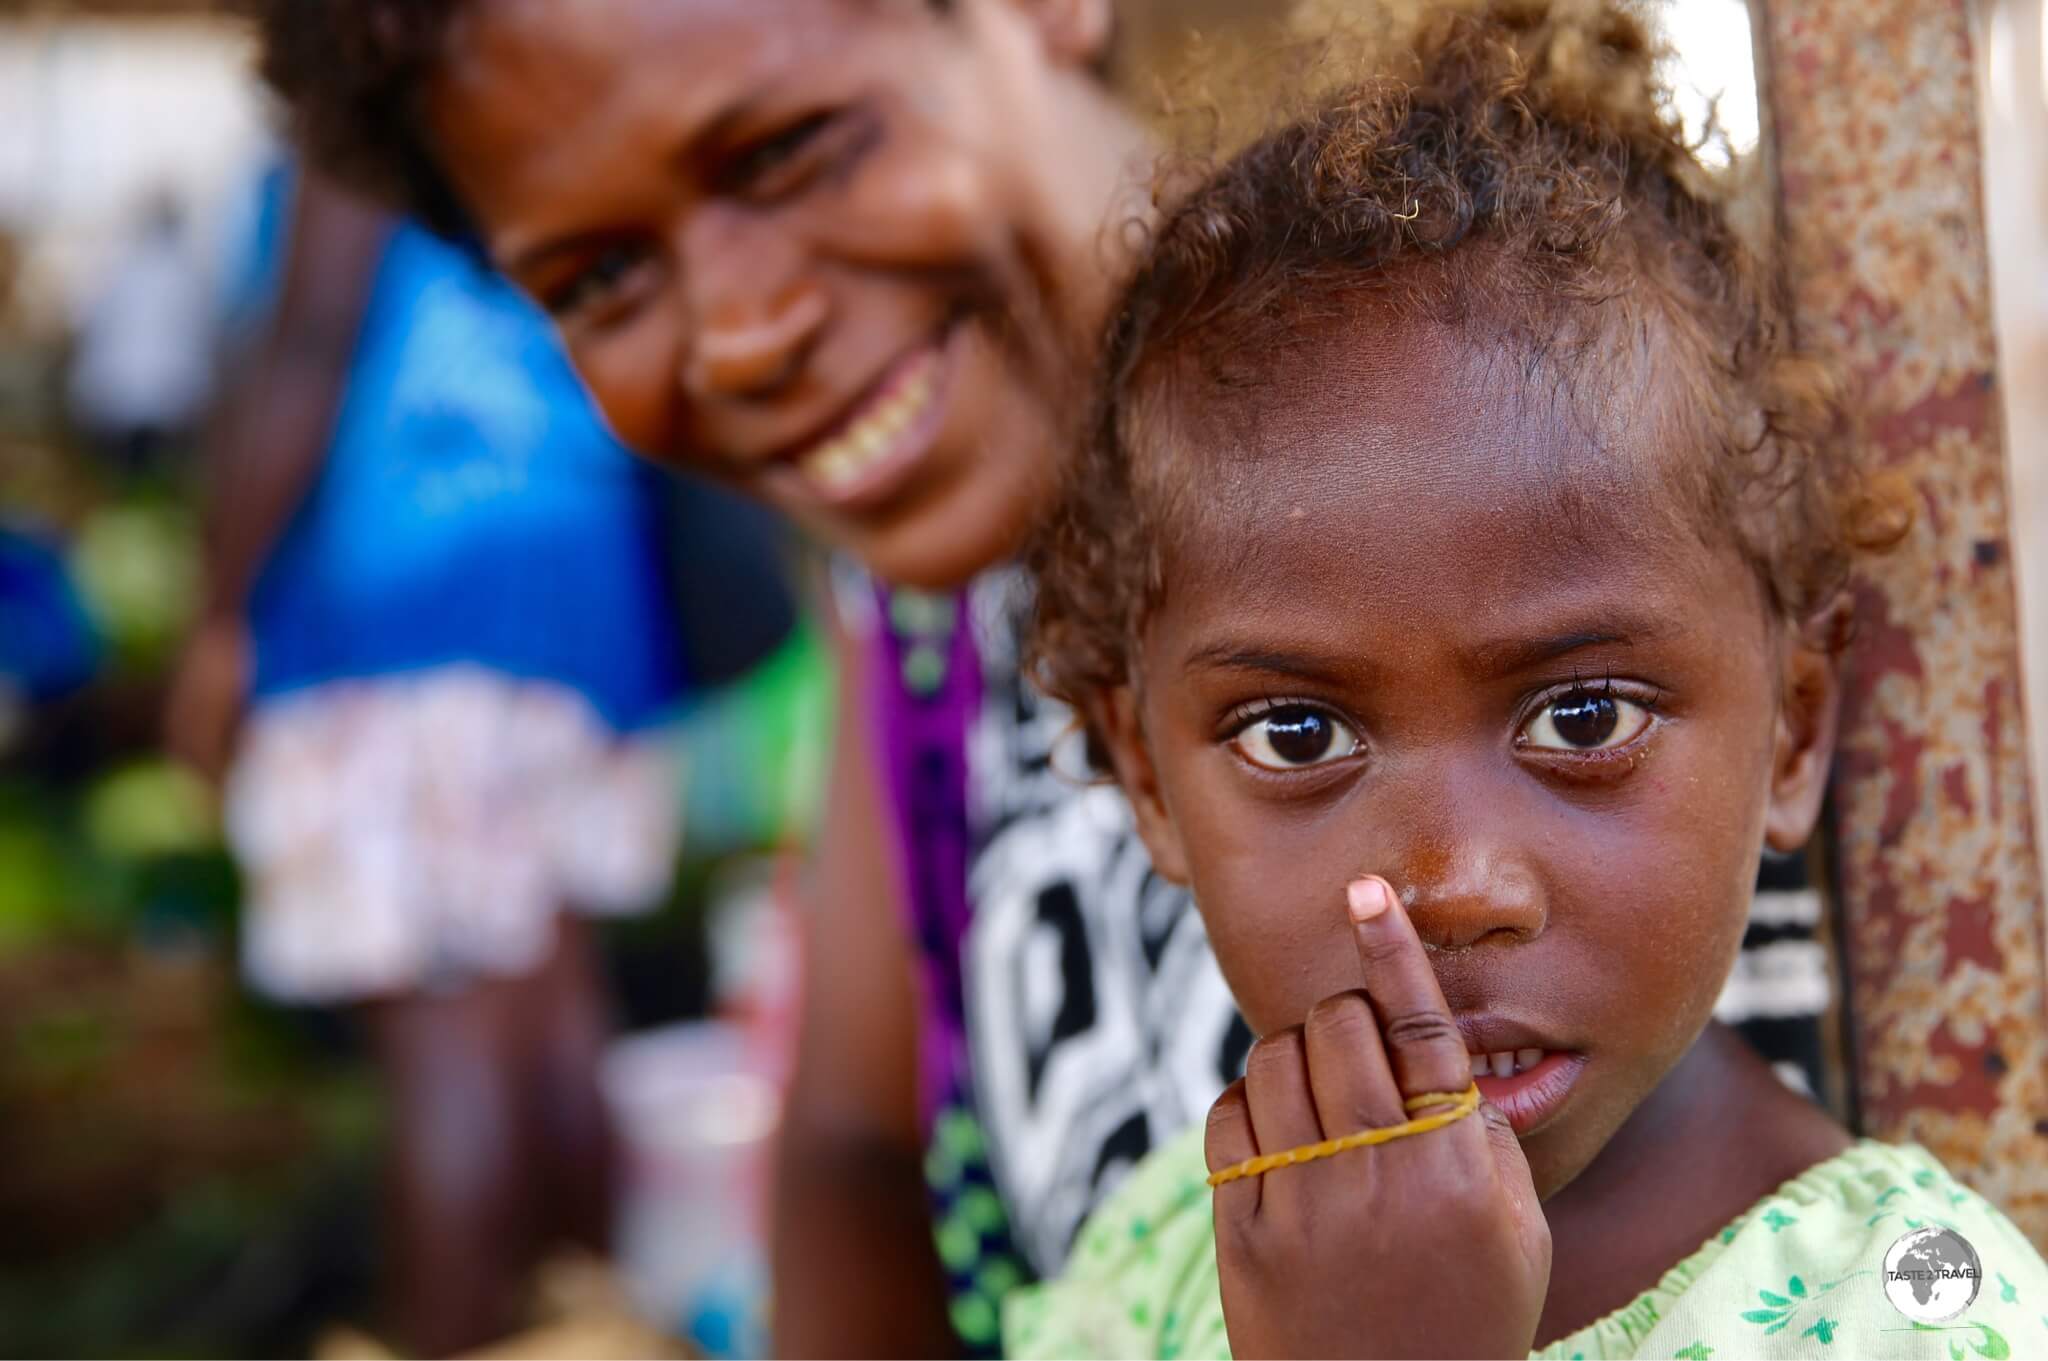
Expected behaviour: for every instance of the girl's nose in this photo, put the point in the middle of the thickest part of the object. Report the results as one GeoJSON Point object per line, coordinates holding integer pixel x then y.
{"type": "Point", "coordinates": [746, 351]}
{"type": "Point", "coordinates": [1459, 896]}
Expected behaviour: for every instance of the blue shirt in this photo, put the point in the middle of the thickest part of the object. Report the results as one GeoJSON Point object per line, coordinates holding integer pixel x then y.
{"type": "Point", "coordinates": [472, 509]}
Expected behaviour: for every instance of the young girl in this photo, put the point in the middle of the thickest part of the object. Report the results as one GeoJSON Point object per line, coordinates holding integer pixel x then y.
{"type": "Point", "coordinates": [1454, 583]}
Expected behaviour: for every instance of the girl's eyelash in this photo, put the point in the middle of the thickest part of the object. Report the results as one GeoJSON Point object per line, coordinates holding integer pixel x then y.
{"type": "Point", "coordinates": [1237, 719]}
{"type": "Point", "coordinates": [1650, 697]}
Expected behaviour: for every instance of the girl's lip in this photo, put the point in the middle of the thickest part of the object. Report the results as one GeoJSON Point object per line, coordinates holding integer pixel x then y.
{"type": "Point", "coordinates": [1532, 1098]}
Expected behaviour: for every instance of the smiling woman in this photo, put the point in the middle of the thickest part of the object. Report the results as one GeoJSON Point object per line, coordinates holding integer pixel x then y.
{"type": "Point", "coordinates": [851, 294]}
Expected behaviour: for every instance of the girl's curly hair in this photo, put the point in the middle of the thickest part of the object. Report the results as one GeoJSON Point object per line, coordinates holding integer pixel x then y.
{"type": "Point", "coordinates": [1512, 163]}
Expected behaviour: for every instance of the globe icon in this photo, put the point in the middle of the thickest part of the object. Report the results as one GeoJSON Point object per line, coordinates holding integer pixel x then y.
{"type": "Point", "coordinates": [1932, 1274]}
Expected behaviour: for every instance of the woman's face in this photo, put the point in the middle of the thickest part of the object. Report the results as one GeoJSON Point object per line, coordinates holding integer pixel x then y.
{"type": "Point", "coordinates": [1432, 624]}
{"type": "Point", "coordinates": [838, 254]}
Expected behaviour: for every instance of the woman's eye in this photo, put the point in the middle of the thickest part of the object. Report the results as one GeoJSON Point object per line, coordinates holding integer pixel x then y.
{"type": "Point", "coordinates": [1585, 720]}
{"type": "Point", "coordinates": [1294, 737]}
{"type": "Point", "coordinates": [596, 282]}
{"type": "Point", "coordinates": [755, 165]}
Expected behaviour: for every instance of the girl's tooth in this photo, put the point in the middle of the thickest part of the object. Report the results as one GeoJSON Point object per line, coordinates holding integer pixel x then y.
{"type": "Point", "coordinates": [1480, 1067]}
{"type": "Point", "coordinates": [1528, 1058]}
{"type": "Point", "coordinates": [1503, 1064]}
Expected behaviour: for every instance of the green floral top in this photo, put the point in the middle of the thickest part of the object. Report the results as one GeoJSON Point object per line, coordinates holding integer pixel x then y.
{"type": "Point", "coordinates": [1802, 1274]}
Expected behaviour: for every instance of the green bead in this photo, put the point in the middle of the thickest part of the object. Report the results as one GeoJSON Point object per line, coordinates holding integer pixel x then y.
{"type": "Point", "coordinates": [960, 1134]}
{"type": "Point", "coordinates": [979, 1206]}
{"type": "Point", "coordinates": [941, 1169]}
{"type": "Point", "coordinates": [958, 1243]}
{"type": "Point", "coordinates": [919, 613]}
{"type": "Point", "coordinates": [924, 669]}
{"type": "Point", "coordinates": [974, 1318]}
{"type": "Point", "coordinates": [998, 1277]}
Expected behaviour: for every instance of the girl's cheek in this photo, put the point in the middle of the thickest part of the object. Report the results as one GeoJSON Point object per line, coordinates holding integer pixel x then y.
{"type": "Point", "coordinates": [1272, 899]}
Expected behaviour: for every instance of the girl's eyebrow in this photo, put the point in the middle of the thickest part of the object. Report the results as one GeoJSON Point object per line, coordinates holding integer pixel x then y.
{"type": "Point", "coordinates": [1492, 661]}
{"type": "Point", "coordinates": [1229, 656]}
{"type": "Point", "coordinates": [1487, 661]}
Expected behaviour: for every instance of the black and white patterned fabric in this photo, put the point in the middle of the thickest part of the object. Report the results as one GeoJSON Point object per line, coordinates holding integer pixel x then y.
{"type": "Point", "coordinates": [1099, 1023]}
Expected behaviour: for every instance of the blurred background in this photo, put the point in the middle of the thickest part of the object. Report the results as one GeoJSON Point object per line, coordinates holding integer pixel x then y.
{"type": "Point", "coordinates": [187, 1170]}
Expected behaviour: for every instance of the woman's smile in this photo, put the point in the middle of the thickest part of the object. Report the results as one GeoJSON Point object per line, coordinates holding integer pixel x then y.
{"type": "Point", "coordinates": [877, 445]}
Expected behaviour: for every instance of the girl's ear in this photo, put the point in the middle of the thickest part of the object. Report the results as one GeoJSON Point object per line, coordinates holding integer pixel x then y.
{"type": "Point", "coordinates": [1075, 32]}
{"type": "Point", "coordinates": [1114, 715]}
{"type": "Point", "coordinates": [1804, 752]}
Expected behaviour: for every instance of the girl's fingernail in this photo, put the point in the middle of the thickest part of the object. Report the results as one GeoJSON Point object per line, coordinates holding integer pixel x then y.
{"type": "Point", "coordinates": [1368, 898]}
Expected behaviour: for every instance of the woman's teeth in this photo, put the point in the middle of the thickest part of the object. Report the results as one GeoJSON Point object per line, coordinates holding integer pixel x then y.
{"type": "Point", "coordinates": [845, 458]}
{"type": "Point", "coordinates": [1505, 1063]}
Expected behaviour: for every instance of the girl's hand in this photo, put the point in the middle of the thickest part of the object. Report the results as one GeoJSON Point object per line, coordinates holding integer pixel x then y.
{"type": "Point", "coordinates": [1430, 1245]}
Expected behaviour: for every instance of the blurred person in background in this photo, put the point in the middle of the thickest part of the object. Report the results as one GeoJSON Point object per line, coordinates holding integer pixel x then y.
{"type": "Point", "coordinates": [142, 360]}
{"type": "Point", "coordinates": [842, 255]}
{"type": "Point", "coordinates": [437, 635]}
{"type": "Point", "coordinates": [48, 648]}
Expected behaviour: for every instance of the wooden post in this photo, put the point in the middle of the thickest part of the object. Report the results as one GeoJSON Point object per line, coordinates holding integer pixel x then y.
{"type": "Point", "coordinates": [1872, 116]}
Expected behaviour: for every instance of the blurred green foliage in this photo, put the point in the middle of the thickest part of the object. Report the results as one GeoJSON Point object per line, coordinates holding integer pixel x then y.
{"type": "Point", "coordinates": [137, 566]}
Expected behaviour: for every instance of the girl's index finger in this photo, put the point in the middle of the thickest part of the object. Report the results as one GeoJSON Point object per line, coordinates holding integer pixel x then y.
{"type": "Point", "coordinates": [1424, 1046]}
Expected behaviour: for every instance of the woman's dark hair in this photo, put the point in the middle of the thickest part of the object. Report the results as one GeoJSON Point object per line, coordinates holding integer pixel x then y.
{"type": "Point", "coordinates": [1512, 169]}
{"type": "Point", "coordinates": [352, 74]}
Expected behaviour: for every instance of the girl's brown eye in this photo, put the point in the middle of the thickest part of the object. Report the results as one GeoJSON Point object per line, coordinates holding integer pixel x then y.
{"type": "Point", "coordinates": [1294, 737]}
{"type": "Point", "coordinates": [1586, 721]}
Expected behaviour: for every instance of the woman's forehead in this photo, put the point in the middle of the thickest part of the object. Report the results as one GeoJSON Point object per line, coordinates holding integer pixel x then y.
{"type": "Point", "coordinates": [545, 59]}
{"type": "Point", "coordinates": [542, 103]}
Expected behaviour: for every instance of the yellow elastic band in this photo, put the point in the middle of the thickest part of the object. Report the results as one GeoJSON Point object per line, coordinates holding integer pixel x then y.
{"type": "Point", "coordinates": [1461, 1105]}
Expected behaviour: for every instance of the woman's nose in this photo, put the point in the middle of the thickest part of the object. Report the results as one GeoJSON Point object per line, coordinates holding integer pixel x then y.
{"type": "Point", "coordinates": [755, 351]}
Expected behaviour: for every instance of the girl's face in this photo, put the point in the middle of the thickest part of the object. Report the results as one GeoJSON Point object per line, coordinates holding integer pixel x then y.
{"type": "Point", "coordinates": [835, 253]}
{"type": "Point", "coordinates": [1439, 626]}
